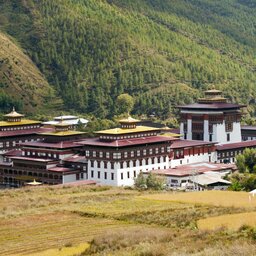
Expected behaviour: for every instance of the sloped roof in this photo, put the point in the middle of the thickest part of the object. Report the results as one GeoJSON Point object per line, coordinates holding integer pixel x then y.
{"type": "Point", "coordinates": [13, 114]}
{"type": "Point", "coordinates": [129, 119]}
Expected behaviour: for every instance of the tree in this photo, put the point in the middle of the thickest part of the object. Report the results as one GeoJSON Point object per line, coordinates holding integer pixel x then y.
{"type": "Point", "coordinates": [140, 182]}
{"type": "Point", "coordinates": [125, 103]}
{"type": "Point", "coordinates": [246, 162]}
{"type": "Point", "coordinates": [155, 182]}
{"type": "Point", "coordinates": [152, 181]}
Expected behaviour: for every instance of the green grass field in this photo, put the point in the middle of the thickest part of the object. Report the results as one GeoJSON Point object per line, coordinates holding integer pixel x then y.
{"type": "Point", "coordinates": [115, 221]}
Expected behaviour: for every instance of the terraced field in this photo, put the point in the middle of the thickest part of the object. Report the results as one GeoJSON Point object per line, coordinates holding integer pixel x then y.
{"type": "Point", "coordinates": [217, 198]}
{"type": "Point", "coordinates": [114, 221]}
{"type": "Point", "coordinates": [230, 221]}
{"type": "Point", "coordinates": [39, 232]}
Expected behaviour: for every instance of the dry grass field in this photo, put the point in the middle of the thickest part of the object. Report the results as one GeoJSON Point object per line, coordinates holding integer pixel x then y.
{"type": "Point", "coordinates": [230, 221]}
{"type": "Point", "coordinates": [114, 221]}
{"type": "Point", "coordinates": [217, 198]}
{"type": "Point", "coordinates": [64, 251]}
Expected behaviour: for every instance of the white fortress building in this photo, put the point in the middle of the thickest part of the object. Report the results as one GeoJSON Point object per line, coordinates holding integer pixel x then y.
{"type": "Point", "coordinates": [118, 155]}
{"type": "Point", "coordinates": [212, 119]}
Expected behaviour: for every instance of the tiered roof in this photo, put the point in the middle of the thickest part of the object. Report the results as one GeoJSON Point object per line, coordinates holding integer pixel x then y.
{"type": "Point", "coordinates": [13, 114]}
{"type": "Point", "coordinates": [212, 101]}
{"type": "Point", "coordinates": [16, 119]}
{"type": "Point", "coordinates": [119, 131]}
{"type": "Point", "coordinates": [62, 129]}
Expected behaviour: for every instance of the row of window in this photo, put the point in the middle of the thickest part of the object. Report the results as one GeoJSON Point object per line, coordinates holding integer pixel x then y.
{"type": "Point", "coordinates": [15, 128]}
{"type": "Point", "coordinates": [40, 154]}
{"type": "Point", "coordinates": [34, 174]}
{"type": "Point", "coordinates": [126, 154]}
{"type": "Point", "coordinates": [8, 144]}
{"type": "Point", "coordinates": [138, 135]}
{"type": "Point", "coordinates": [128, 163]}
{"type": "Point", "coordinates": [244, 138]}
{"type": "Point", "coordinates": [229, 153]}
{"type": "Point", "coordinates": [112, 175]}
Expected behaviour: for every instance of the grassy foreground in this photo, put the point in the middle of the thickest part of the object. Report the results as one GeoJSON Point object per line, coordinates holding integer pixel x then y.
{"type": "Point", "coordinates": [114, 221]}
{"type": "Point", "coordinates": [217, 198]}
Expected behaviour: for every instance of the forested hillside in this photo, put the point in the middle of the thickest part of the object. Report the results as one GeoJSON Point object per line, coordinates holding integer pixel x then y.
{"type": "Point", "coordinates": [163, 52]}
{"type": "Point", "coordinates": [21, 83]}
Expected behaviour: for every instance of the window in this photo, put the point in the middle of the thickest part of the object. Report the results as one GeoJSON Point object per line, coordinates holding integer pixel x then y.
{"type": "Point", "coordinates": [134, 174]}
{"type": "Point", "coordinates": [92, 164]}
{"type": "Point", "coordinates": [156, 150]}
{"type": "Point", "coordinates": [128, 164]}
{"type": "Point", "coordinates": [94, 153]}
{"type": "Point", "coordinates": [105, 165]}
{"type": "Point", "coordinates": [138, 152]}
{"type": "Point", "coordinates": [117, 155]}
{"type": "Point", "coordinates": [101, 154]}
{"type": "Point", "coordinates": [125, 154]}
{"type": "Point", "coordinates": [92, 174]}
{"type": "Point", "coordinates": [150, 151]}
{"type": "Point", "coordinates": [128, 175]}
{"type": "Point", "coordinates": [162, 149]}
{"type": "Point", "coordinates": [107, 155]}
{"type": "Point", "coordinates": [122, 176]}
{"type": "Point", "coordinates": [112, 176]}
{"type": "Point", "coordinates": [132, 153]}
{"type": "Point", "coordinates": [112, 165]}
{"type": "Point", "coordinates": [228, 137]}
{"type": "Point", "coordinates": [98, 164]}
{"type": "Point", "coordinates": [105, 175]}
{"type": "Point", "coordinates": [144, 152]}
{"type": "Point", "coordinates": [98, 175]}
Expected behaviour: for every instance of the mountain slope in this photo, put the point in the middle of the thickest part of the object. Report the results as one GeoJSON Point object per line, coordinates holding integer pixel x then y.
{"type": "Point", "coordinates": [162, 52]}
{"type": "Point", "coordinates": [20, 80]}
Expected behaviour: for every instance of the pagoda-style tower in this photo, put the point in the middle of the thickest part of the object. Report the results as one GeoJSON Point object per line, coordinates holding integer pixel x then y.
{"type": "Point", "coordinates": [128, 129]}
{"type": "Point", "coordinates": [13, 116]}
{"type": "Point", "coordinates": [16, 121]}
{"type": "Point", "coordinates": [211, 119]}
{"type": "Point", "coordinates": [129, 123]}
{"type": "Point", "coordinates": [62, 132]}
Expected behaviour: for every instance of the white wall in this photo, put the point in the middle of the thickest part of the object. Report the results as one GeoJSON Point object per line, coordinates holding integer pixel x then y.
{"type": "Point", "coordinates": [68, 178]}
{"type": "Point", "coordinates": [118, 171]}
{"type": "Point", "coordinates": [220, 134]}
{"type": "Point", "coordinates": [193, 159]}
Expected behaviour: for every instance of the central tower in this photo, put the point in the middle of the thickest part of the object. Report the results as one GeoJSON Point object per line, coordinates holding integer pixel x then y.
{"type": "Point", "coordinates": [211, 119]}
